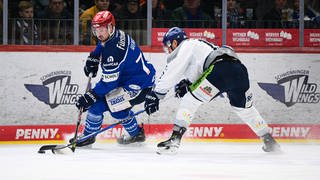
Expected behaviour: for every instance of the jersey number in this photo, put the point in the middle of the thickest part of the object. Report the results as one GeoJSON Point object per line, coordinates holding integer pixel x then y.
{"type": "Point", "coordinates": [144, 67]}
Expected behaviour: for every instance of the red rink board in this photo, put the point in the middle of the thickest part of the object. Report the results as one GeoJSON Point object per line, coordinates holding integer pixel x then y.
{"type": "Point", "coordinates": [263, 37]}
{"type": "Point", "coordinates": [195, 131]}
{"type": "Point", "coordinates": [247, 37]}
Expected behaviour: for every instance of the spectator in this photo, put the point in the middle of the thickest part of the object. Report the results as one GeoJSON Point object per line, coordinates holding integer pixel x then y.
{"type": "Point", "coordinates": [129, 18]}
{"type": "Point", "coordinates": [130, 10]}
{"type": "Point", "coordinates": [248, 9]}
{"type": "Point", "coordinates": [172, 5]}
{"type": "Point", "coordinates": [39, 6]}
{"type": "Point", "coordinates": [26, 31]}
{"type": "Point", "coordinates": [69, 6]}
{"type": "Point", "coordinates": [85, 21]}
{"type": "Point", "coordinates": [311, 16]}
{"type": "Point", "coordinates": [83, 5]}
{"type": "Point", "coordinates": [86, 4]}
{"type": "Point", "coordinates": [57, 23]}
{"type": "Point", "coordinates": [309, 13]}
{"type": "Point", "coordinates": [274, 18]}
{"type": "Point", "coordinates": [56, 10]}
{"type": "Point", "coordinates": [234, 17]}
{"type": "Point", "coordinates": [160, 14]}
{"type": "Point", "coordinates": [159, 11]}
{"type": "Point", "coordinates": [191, 15]}
{"type": "Point", "coordinates": [315, 4]}
{"type": "Point", "coordinates": [116, 5]}
{"type": "Point", "coordinates": [208, 7]}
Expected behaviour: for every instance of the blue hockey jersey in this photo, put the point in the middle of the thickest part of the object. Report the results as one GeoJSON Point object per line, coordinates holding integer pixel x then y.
{"type": "Point", "coordinates": [123, 65]}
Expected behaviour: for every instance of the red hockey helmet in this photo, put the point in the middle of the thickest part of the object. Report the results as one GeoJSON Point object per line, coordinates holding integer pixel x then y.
{"type": "Point", "coordinates": [103, 19]}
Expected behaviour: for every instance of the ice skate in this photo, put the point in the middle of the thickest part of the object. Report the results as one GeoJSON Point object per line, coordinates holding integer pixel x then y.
{"type": "Point", "coordinates": [86, 143]}
{"type": "Point", "coordinates": [172, 145]}
{"type": "Point", "coordinates": [270, 144]}
{"type": "Point", "coordinates": [126, 139]}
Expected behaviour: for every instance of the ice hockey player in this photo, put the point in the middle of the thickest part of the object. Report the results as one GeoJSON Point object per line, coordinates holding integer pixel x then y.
{"type": "Point", "coordinates": [126, 79]}
{"type": "Point", "coordinates": [206, 71]}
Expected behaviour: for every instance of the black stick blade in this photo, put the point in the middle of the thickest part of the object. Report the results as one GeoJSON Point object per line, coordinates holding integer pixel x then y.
{"type": "Point", "coordinates": [46, 147]}
{"type": "Point", "coordinates": [53, 148]}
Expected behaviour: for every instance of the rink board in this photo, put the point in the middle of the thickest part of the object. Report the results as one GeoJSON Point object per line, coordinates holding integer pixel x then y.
{"type": "Point", "coordinates": [196, 132]}
{"type": "Point", "coordinates": [285, 88]}
{"type": "Point", "coordinates": [39, 90]}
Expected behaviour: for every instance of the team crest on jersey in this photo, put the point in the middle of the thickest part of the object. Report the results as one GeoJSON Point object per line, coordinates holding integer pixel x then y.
{"type": "Point", "coordinates": [56, 89]}
{"type": "Point", "coordinates": [293, 87]}
{"type": "Point", "coordinates": [110, 59]}
{"type": "Point", "coordinates": [109, 63]}
{"type": "Point", "coordinates": [207, 90]}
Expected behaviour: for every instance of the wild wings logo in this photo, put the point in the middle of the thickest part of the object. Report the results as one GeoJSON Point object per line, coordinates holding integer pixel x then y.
{"type": "Point", "coordinates": [293, 87]}
{"type": "Point", "coordinates": [56, 89]}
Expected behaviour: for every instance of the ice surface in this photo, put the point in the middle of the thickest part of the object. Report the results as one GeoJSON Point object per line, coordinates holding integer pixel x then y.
{"type": "Point", "coordinates": [109, 161]}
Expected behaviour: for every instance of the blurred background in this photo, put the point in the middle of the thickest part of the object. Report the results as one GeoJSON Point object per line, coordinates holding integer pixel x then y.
{"type": "Point", "coordinates": [68, 22]}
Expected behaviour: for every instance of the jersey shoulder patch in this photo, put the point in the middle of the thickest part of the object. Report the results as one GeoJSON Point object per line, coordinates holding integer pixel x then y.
{"type": "Point", "coordinates": [122, 40]}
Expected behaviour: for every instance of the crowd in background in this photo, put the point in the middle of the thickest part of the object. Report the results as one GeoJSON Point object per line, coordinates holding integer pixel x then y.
{"type": "Point", "coordinates": [51, 21]}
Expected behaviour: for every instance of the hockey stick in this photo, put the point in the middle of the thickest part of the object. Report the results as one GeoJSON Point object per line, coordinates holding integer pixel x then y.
{"type": "Point", "coordinates": [70, 145]}
{"type": "Point", "coordinates": [73, 148]}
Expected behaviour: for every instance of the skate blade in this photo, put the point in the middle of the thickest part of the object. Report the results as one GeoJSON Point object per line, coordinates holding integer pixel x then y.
{"type": "Point", "coordinates": [167, 150]}
{"type": "Point", "coordinates": [275, 150]}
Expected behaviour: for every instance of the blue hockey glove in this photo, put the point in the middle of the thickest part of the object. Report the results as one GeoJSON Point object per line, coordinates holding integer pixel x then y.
{"type": "Point", "coordinates": [151, 104]}
{"type": "Point", "coordinates": [182, 88]}
{"type": "Point", "coordinates": [92, 66]}
{"type": "Point", "coordinates": [86, 101]}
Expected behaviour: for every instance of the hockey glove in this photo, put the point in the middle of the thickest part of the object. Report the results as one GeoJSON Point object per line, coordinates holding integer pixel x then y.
{"type": "Point", "coordinates": [92, 65]}
{"type": "Point", "coordinates": [151, 104]}
{"type": "Point", "coordinates": [86, 101]}
{"type": "Point", "coordinates": [182, 88]}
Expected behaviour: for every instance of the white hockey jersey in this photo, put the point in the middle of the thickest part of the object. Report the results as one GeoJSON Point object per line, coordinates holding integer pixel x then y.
{"type": "Point", "coordinates": [186, 61]}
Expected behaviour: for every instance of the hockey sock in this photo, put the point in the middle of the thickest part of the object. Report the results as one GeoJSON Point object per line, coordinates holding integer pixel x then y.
{"type": "Point", "coordinates": [93, 123]}
{"type": "Point", "coordinates": [187, 108]}
{"type": "Point", "coordinates": [131, 126]}
{"type": "Point", "coordinates": [253, 118]}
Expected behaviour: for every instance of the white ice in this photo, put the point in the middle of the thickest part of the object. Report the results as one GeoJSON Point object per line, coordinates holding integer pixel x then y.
{"type": "Point", "coordinates": [195, 160]}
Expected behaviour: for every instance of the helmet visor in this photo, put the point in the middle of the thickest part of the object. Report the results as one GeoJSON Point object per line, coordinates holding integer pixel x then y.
{"type": "Point", "coordinates": [99, 31]}
{"type": "Point", "coordinates": [167, 47]}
